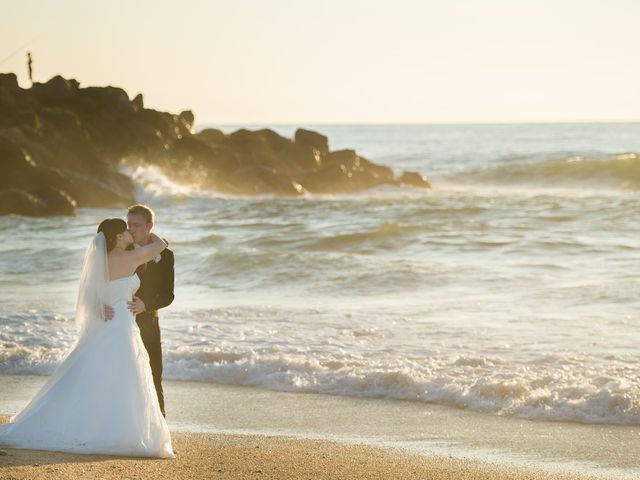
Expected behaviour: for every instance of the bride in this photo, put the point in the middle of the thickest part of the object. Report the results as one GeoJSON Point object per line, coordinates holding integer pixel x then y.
{"type": "Point", "coordinates": [101, 398]}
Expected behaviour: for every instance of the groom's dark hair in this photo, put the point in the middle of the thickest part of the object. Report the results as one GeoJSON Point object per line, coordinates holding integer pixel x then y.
{"type": "Point", "coordinates": [143, 210]}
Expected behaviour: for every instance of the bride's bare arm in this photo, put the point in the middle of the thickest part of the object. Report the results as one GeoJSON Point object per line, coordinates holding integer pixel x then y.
{"type": "Point", "coordinates": [138, 257]}
{"type": "Point", "coordinates": [148, 252]}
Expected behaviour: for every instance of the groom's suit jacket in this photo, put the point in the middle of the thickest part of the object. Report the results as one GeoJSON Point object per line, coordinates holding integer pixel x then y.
{"type": "Point", "coordinates": [156, 284]}
{"type": "Point", "coordinates": [156, 291]}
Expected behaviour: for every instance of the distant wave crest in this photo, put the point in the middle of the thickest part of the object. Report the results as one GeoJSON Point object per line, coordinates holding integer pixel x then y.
{"type": "Point", "coordinates": [621, 171]}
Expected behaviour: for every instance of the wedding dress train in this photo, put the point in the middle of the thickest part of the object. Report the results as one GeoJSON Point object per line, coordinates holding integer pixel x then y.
{"type": "Point", "coordinates": [101, 398]}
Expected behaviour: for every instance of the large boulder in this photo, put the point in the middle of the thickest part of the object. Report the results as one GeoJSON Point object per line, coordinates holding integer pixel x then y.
{"type": "Point", "coordinates": [56, 201]}
{"type": "Point", "coordinates": [309, 138]}
{"type": "Point", "coordinates": [187, 118]}
{"type": "Point", "coordinates": [20, 202]}
{"type": "Point", "coordinates": [39, 202]}
{"type": "Point", "coordinates": [58, 91]}
{"type": "Point", "coordinates": [212, 136]}
{"type": "Point", "coordinates": [415, 179]}
{"type": "Point", "coordinates": [9, 81]}
{"type": "Point", "coordinates": [138, 102]}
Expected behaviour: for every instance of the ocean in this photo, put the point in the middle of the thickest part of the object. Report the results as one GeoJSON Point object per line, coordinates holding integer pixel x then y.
{"type": "Point", "coordinates": [509, 289]}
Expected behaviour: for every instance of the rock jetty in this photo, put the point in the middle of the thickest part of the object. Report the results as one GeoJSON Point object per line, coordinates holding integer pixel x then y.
{"type": "Point", "coordinates": [63, 146]}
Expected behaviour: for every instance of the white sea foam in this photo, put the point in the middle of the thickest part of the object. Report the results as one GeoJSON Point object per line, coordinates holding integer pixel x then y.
{"type": "Point", "coordinates": [152, 184]}
{"type": "Point", "coordinates": [551, 387]}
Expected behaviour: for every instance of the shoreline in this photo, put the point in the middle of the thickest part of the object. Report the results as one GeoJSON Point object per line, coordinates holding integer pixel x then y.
{"type": "Point", "coordinates": [219, 413]}
{"type": "Point", "coordinates": [202, 455]}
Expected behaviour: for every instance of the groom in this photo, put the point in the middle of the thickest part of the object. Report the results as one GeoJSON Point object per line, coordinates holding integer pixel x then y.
{"type": "Point", "coordinates": [155, 292]}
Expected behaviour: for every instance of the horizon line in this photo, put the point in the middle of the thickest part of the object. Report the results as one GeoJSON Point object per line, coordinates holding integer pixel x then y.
{"type": "Point", "coordinates": [455, 123]}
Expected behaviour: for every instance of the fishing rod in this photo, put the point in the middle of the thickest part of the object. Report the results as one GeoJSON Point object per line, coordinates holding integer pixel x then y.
{"type": "Point", "coordinates": [18, 50]}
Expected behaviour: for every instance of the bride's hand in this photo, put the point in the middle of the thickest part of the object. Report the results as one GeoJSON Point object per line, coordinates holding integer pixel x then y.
{"type": "Point", "coordinates": [108, 313]}
{"type": "Point", "coordinates": [136, 306]}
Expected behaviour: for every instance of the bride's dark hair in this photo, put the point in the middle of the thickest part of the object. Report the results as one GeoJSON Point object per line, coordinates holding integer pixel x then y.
{"type": "Point", "coordinates": [111, 227]}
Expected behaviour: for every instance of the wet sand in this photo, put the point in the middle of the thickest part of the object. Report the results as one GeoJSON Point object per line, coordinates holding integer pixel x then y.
{"type": "Point", "coordinates": [230, 431]}
{"type": "Point", "coordinates": [223, 456]}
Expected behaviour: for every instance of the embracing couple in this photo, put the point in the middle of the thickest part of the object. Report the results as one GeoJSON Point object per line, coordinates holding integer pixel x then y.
{"type": "Point", "coordinates": [106, 394]}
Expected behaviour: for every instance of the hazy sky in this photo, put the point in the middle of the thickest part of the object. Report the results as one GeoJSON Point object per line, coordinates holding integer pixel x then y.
{"type": "Point", "coordinates": [342, 61]}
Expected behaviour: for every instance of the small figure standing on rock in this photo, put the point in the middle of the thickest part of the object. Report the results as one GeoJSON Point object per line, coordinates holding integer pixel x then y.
{"type": "Point", "coordinates": [29, 63]}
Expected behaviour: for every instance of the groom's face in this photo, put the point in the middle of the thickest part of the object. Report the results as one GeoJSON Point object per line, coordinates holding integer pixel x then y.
{"type": "Point", "coordinates": [139, 228]}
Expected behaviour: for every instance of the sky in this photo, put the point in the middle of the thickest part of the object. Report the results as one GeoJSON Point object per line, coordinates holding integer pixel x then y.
{"type": "Point", "coordinates": [342, 61]}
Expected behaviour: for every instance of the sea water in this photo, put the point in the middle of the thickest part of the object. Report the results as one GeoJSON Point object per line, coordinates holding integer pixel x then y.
{"type": "Point", "coordinates": [511, 288]}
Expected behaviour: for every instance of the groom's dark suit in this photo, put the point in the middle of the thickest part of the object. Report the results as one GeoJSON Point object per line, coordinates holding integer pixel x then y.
{"type": "Point", "coordinates": [156, 291]}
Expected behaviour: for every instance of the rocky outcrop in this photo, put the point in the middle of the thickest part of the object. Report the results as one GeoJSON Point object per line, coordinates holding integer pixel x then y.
{"type": "Point", "coordinates": [61, 147]}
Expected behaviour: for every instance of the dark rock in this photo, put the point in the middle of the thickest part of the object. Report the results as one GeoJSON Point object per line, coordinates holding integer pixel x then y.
{"type": "Point", "coordinates": [382, 172]}
{"type": "Point", "coordinates": [298, 159]}
{"type": "Point", "coordinates": [312, 139]}
{"type": "Point", "coordinates": [57, 91]}
{"type": "Point", "coordinates": [340, 157]}
{"type": "Point", "coordinates": [61, 119]}
{"type": "Point", "coordinates": [138, 102]}
{"type": "Point", "coordinates": [212, 136]}
{"type": "Point", "coordinates": [415, 179]}
{"type": "Point", "coordinates": [12, 157]}
{"type": "Point", "coordinates": [342, 177]}
{"type": "Point", "coordinates": [187, 117]}
{"type": "Point", "coordinates": [62, 146]}
{"type": "Point", "coordinates": [191, 146]}
{"type": "Point", "coordinates": [9, 81]}
{"type": "Point", "coordinates": [259, 142]}
{"type": "Point", "coordinates": [40, 202]}
{"type": "Point", "coordinates": [44, 200]}
{"type": "Point", "coordinates": [20, 202]}
{"type": "Point", "coordinates": [56, 201]}
{"type": "Point", "coordinates": [260, 180]}
{"type": "Point", "coordinates": [114, 190]}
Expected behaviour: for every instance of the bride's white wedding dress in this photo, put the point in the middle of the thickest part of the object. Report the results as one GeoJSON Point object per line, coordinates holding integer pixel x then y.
{"type": "Point", "coordinates": [101, 398]}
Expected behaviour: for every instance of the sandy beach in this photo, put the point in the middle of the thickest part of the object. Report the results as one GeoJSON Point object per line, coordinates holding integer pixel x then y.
{"type": "Point", "coordinates": [257, 457]}
{"type": "Point", "coordinates": [228, 431]}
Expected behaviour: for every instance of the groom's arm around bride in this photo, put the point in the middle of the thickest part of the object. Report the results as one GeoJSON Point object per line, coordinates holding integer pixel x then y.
{"type": "Point", "coordinates": [157, 284]}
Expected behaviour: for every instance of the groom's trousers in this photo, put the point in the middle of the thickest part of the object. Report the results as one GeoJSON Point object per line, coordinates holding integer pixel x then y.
{"type": "Point", "coordinates": [150, 333]}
